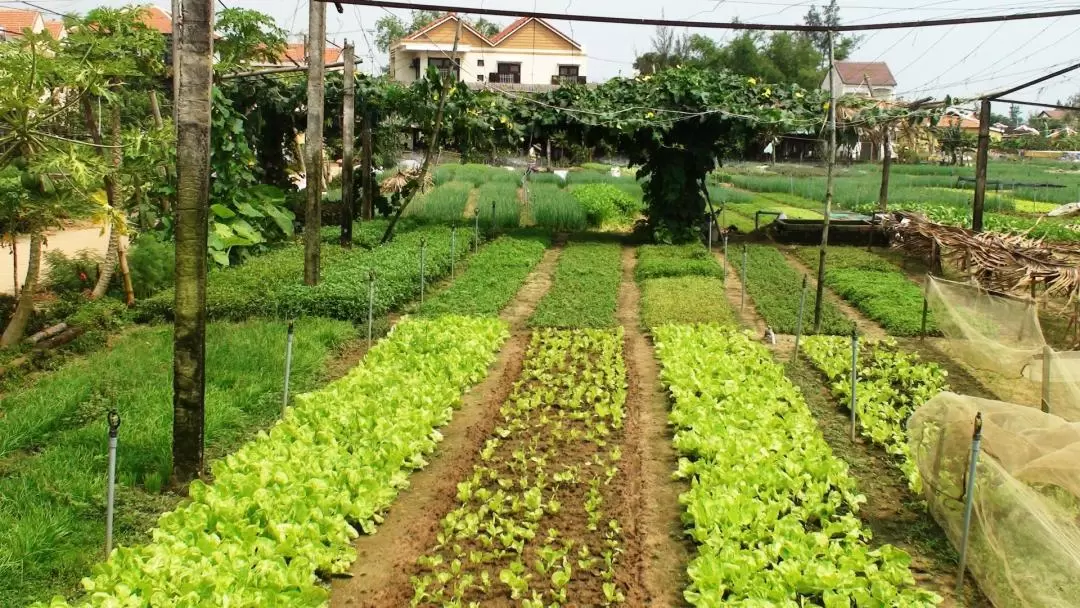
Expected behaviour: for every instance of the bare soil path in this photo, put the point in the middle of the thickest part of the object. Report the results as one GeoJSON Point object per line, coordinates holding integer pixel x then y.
{"type": "Point", "coordinates": [867, 326]}
{"type": "Point", "coordinates": [742, 305]}
{"type": "Point", "coordinates": [658, 561]}
{"type": "Point", "coordinates": [380, 576]}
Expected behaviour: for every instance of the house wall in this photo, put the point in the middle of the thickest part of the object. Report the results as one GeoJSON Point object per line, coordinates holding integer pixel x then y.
{"type": "Point", "coordinates": [534, 35]}
{"type": "Point", "coordinates": [536, 68]}
{"type": "Point", "coordinates": [856, 89]}
{"type": "Point", "coordinates": [444, 34]}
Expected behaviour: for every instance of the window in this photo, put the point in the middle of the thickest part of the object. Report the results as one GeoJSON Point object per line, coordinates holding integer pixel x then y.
{"type": "Point", "coordinates": [569, 70]}
{"type": "Point", "coordinates": [509, 73]}
{"type": "Point", "coordinates": [479, 63]}
{"type": "Point", "coordinates": [479, 78]}
{"type": "Point", "coordinates": [443, 64]}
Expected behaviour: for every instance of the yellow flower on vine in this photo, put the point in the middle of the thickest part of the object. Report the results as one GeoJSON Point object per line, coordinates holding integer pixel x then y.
{"type": "Point", "coordinates": [752, 81]}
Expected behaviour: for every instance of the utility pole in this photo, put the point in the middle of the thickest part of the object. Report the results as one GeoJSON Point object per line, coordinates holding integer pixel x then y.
{"type": "Point", "coordinates": [980, 166]}
{"type": "Point", "coordinates": [831, 168]}
{"type": "Point", "coordinates": [193, 24]}
{"type": "Point", "coordinates": [366, 180]}
{"type": "Point", "coordinates": [348, 126]}
{"type": "Point", "coordinates": [313, 140]}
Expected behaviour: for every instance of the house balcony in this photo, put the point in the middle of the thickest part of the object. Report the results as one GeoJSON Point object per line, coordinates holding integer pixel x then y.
{"type": "Point", "coordinates": [564, 80]}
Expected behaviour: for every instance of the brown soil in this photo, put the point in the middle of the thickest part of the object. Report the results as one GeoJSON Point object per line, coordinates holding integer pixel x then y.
{"type": "Point", "coordinates": [652, 523]}
{"type": "Point", "coordinates": [380, 575]}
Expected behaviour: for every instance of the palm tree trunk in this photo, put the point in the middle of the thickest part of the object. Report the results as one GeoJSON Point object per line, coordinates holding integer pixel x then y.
{"type": "Point", "coordinates": [112, 194]}
{"type": "Point", "coordinates": [15, 264]}
{"type": "Point", "coordinates": [193, 77]}
{"type": "Point", "coordinates": [16, 328]}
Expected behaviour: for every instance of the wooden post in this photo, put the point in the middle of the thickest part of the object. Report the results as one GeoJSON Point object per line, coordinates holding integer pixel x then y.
{"type": "Point", "coordinates": [819, 301]}
{"type": "Point", "coordinates": [348, 126]}
{"type": "Point", "coordinates": [886, 167]}
{"type": "Point", "coordinates": [980, 166]}
{"type": "Point", "coordinates": [313, 141]}
{"type": "Point", "coordinates": [366, 179]}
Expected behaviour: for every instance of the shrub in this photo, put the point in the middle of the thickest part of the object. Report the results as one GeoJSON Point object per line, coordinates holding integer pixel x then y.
{"type": "Point", "coordinates": [152, 263]}
{"type": "Point", "coordinates": [606, 202]}
{"type": "Point", "coordinates": [65, 274]}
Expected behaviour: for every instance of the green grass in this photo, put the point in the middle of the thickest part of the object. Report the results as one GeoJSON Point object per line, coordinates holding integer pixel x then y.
{"type": "Point", "coordinates": [586, 288]}
{"type": "Point", "coordinates": [873, 285]}
{"type": "Point", "coordinates": [445, 203]}
{"type": "Point", "coordinates": [493, 277]}
{"type": "Point", "coordinates": [555, 208]}
{"type": "Point", "coordinates": [657, 261]}
{"type": "Point", "coordinates": [271, 285]}
{"type": "Point", "coordinates": [52, 471]}
{"type": "Point", "coordinates": [506, 214]}
{"type": "Point", "coordinates": [776, 287]}
{"type": "Point", "coordinates": [686, 299]}
{"type": "Point", "coordinates": [474, 174]}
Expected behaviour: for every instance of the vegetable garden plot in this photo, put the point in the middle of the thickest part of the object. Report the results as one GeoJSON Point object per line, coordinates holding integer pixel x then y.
{"type": "Point", "coordinates": [533, 526]}
{"type": "Point", "coordinates": [891, 385]}
{"type": "Point", "coordinates": [873, 285]}
{"type": "Point", "coordinates": [284, 509]}
{"type": "Point", "coordinates": [586, 288]}
{"type": "Point", "coordinates": [772, 510]}
{"type": "Point", "coordinates": [658, 261]}
{"type": "Point", "coordinates": [775, 288]}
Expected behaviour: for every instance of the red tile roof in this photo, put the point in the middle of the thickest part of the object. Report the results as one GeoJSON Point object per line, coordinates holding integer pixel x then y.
{"type": "Point", "coordinates": [56, 28]}
{"type": "Point", "coordinates": [857, 72]}
{"type": "Point", "coordinates": [297, 53]}
{"type": "Point", "coordinates": [158, 19]}
{"type": "Point", "coordinates": [13, 21]}
{"type": "Point", "coordinates": [1055, 114]}
{"type": "Point", "coordinates": [508, 29]}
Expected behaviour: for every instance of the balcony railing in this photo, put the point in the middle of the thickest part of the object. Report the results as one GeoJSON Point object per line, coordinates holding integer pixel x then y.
{"type": "Point", "coordinates": [503, 78]}
{"type": "Point", "coordinates": [560, 79]}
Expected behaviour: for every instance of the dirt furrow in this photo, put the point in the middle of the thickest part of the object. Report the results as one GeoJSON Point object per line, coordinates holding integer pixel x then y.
{"type": "Point", "coordinates": [657, 551]}
{"type": "Point", "coordinates": [745, 311]}
{"type": "Point", "coordinates": [867, 326]}
{"type": "Point", "coordinates": [380, 576]}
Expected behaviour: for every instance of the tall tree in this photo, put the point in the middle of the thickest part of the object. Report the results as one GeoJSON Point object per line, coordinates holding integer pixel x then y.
{"type": "Point", "coordinates": [1015, 117]}
{"type": "Point", "coordinates": [668, 50]}
{"type": "Point", "coordinates": [193, 24]}
{"type": "Point", "coordinates": [829, 16]}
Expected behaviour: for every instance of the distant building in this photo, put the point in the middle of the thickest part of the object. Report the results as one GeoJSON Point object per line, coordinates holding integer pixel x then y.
{"type": "Point", "coordinates": [15, 22]}
{"type": "Point", "coordinates": [295, 54]}
{"type": "Point", "coordinates": [528, 54]}
{"type": "Point", "coordinates": [866, 79]}
{"type": "Point", "coordinates": [968, 122]}
{"type": "Point", "coordinates": [1054, 115]}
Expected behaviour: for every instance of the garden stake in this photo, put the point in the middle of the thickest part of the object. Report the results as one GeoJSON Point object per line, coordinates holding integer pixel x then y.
{"type": "Point", "coordinates": [854, 376]}
{"type": "Point", "coordinates": [710, 233]}
{"type": "Point", "coordinates": [969, 498]}
{"type": "Point", "coordinates": [453, 247]}
{"type": "Point", "coordinates": [493, 218]}
{"type": "Point", "coordinates": [423, 255]}
{"type": "Point", "coordinates": [799, 321]}
{"type": "Point", "coordinates": [724, 265]}
{"type": "Point", "coordinates": [114, 427]}
{"type": "Point", "coordinates": [476, 232]}
{"type": "Point", "coordinates": [742, 294]}
{"type": "Point", "coordinates": [1047, 358]}
{"type": "Point", "coordinates": [925, 306]}
{"type": "Point", "coordinates": [288, 366]}
{"type": "Point", "coordinates": [370, 305]}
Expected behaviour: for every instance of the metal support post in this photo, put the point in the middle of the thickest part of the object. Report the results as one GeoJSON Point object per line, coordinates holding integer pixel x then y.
{"type": "Point", "coordinates": [476, 232]}
{"type": "Point", "coordinates": [110, 490]}
{"type": "Point", "coordinates": [1048, 357]}
{"type": "Point", "coordinates": [423, 259]}
{"type": "Point", "coordinates": [453, 250]}
{"type": "Point", "coordinates": [742, 295]}
{"type": "Point", "coordinates": [724, 268]}
{"type": "Point", "coordinates": [710, 233]}
{"type": "Point", "coordinates": [799, 321]}
{"type": "Point", "coordinates": [370, 305]}
{"type": "Point", "coordinates": [854, 379]}
{"type": "Point", "coordinates": [969, 498]}
{"type": "Point", "coordinates": [288, 366]}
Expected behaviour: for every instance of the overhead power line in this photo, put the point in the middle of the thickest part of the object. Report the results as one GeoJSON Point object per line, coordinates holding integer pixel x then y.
{"type": "Point", "coordinates": [1038, 105]}
{"type": "Point", "coordinates": [1032, 83]}
{"type": "Point", "coordinates": [729, 25]}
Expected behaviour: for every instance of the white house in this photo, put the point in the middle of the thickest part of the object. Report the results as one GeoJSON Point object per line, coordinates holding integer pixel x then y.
{"type": "Point", "coordinates": [528, 52]}
{"type": "Point", "coordinates": [867, 79]}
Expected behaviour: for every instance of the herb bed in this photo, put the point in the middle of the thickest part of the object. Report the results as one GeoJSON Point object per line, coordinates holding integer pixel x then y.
{"type": "Point", "coordinates": [776, 288]}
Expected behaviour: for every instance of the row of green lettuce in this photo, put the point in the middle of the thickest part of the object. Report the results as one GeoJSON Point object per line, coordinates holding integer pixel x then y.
{"type": "Point", "coordinates": [680, 284]}
{"type": "Point", "coordinates": [284, 509]}
{"type": "Point", "coordinates": [772, 511]}
{"type": "Point", "coordinates": [891, 385]}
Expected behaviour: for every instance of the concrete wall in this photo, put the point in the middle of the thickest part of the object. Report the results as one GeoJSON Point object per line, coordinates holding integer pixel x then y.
{"type": "Point", "coordinates": [536, 67]}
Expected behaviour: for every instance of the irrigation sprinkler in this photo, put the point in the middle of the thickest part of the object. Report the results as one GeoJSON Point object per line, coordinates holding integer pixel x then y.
{"type": "Point", "coordinates": [110, 500]}
{"type": "Point", "coordinates": [370, 305]}
{"type": "Point", "coordinates": [453, 249]}
{"type": "Point", "coordinates": [423, 259]}
{"type": "Point", "coordinates": [969, 499]}
{"type": "Point", "coordinates": [742, 293]}
{"type": "Point", "coordinates": [288, 366]}
{"type": "Point", "coordinates": [854, 377]}
{"type": "Point", "coordinates": [1048, 357]}
{"type": "Point", "coordinates": [799, 321]}
{"type": "Point", "coordinates": [493, 222]}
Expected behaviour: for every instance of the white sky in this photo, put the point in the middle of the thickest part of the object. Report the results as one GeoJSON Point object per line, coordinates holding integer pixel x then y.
{"type": "Point", "coordinates": [960, 60]}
